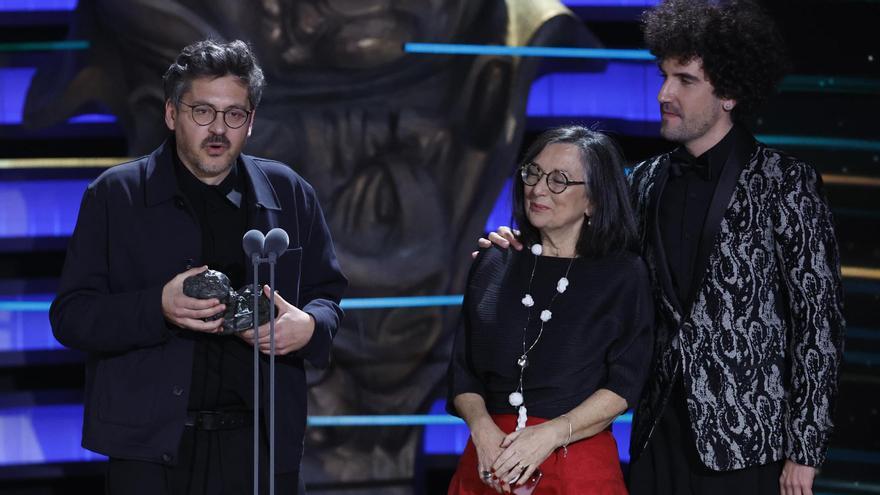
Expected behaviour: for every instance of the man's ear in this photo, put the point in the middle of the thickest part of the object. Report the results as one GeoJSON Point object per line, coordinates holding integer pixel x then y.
{"type": "Point", "coordinates": [170, 115]}
{"type": "Point", "coordinates": [251, 123]}
{"type": "Point", "coordinates": [728, 104]}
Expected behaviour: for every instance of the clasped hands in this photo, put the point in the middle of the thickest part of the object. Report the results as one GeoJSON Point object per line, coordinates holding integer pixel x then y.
{"type": "Point", "coordinates": [293, 327]}
{"type": "Point", "coordinates": [506, 461]}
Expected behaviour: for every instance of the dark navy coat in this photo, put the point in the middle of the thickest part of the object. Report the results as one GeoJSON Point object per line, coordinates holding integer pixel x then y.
{"type": "Point", "coordinates": [133, 235]}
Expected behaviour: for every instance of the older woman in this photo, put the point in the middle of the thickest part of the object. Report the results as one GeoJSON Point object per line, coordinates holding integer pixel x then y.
{"type": "Point", "coordinates": [556, 339]}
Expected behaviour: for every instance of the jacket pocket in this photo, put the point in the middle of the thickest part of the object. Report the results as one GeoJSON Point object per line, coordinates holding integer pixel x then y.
{"type": "Point", "coordinates": [126, 387]}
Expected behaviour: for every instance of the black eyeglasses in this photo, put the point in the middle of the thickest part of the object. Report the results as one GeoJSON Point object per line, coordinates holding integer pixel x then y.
{"type": "Point", "coordinates": [206, 114]}
{"type": "Point", "coordinates": [557, 181]}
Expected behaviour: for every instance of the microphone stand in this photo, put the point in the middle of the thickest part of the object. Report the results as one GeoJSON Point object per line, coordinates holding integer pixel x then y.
{"type": "Point", "coordinates": [255, 244]}
{"type": "Point", "coordinates": [272, 260]}
{"type": "Point", "coordinates": [255, 259]}
{"type": "Point", "coordinates": [276, 244]}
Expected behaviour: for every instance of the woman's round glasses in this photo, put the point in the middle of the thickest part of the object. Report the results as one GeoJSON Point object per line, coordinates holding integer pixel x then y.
{"type": "Point", "coordinates": [557, 181]}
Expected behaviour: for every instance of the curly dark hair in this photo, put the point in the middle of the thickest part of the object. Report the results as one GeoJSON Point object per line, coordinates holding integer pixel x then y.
{"type": "Point", "coordinates": [210, 58]}
{"type": "Point", "coordinates": [742, 52]}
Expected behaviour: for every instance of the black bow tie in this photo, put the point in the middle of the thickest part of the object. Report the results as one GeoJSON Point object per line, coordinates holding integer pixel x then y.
{"type": "Point", "coordinates": [682, 162]}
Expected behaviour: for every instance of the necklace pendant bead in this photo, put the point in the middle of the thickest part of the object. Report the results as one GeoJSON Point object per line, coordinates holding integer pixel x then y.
{"type": "Point", "coordinates": [523, 361]}
{"type": "Point", "coordinates": [527, 301]}
{"type": "Point", "coordinates": [546, 315]}
{"type": "Point", "coordinates": [522, 417]}
{"type": "Point", "coordinates": [515, 399]}
{"type": "Point", "coordinates": [537, 249]}
{"type": "Point", "coordinates": [561, 285]}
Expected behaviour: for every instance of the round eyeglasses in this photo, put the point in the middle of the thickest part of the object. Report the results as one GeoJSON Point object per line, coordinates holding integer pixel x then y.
{"type": "Point", "coordinates": [557, 181]}
{"type": "Point", "coordinates": [206, 114]}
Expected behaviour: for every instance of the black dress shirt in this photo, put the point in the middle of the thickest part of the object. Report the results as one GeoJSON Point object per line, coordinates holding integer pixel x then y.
{"type": "Point", "coordinates": [685, 202]}
{"type": "Point", "coordinates": [599, 336]}
{"type": "Point", "coordinates": [221, 364]}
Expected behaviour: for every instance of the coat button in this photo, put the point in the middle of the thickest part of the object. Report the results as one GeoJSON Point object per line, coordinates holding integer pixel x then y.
{"type": "Point", "coordinates": [166, 457]}
{"type": "Point", "coordinates": [177, 390]}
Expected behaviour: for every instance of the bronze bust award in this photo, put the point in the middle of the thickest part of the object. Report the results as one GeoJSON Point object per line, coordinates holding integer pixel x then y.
{"type": "Point", "coordinates": [406, 151]}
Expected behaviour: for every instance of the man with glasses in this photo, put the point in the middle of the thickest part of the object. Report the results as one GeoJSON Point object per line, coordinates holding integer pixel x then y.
{"type": "Point", "coordinates": [168, 399]}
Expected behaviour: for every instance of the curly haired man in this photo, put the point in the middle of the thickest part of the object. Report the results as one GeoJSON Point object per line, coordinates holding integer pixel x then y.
{"type": "Point", "coordinates": [740, 245]}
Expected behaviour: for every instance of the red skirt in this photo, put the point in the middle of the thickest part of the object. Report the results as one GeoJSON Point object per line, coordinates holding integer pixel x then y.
{"type": "Point", "coordinates": [591, 466]}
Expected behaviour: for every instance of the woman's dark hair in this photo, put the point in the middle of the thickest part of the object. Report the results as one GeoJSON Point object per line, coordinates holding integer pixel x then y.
{"type": "Point", "coordinates": [212, 59]}
{"type": "Point", "coordinates": [742, 52]}
{"type": "Point", "coordinates": [612, 226]}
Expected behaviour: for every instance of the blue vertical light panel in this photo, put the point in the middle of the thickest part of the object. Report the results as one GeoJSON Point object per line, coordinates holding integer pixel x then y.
{"type": "Point", "coordinates": [42, 434]}
{"type": "Point", "coordinates": [500, 214]}
{"type": "Point", "coordinates": [39, 208]}
{"type": "Point", "coordinates": [625, 91]}
{"type": "Point", "coordinates": [14, 83]}
{"type": "Point", "coordinates": [26, 330]}
{"type": "Point", "coordinates": [36, 5]}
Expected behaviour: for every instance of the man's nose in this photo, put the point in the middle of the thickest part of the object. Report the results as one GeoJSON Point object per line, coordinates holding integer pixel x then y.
{"type": "Point", "coordinates": [665, 93]}
{"type": "Point", "coordinates": [219, 125]}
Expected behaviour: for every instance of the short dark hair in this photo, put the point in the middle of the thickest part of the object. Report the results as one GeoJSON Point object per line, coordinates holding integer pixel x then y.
{"type": "Point", "coordinates": [742, 52]}
{"type": "Point", "coordinates": [611, 228]}
{"type": "Point", "coordinates": [213, 59]}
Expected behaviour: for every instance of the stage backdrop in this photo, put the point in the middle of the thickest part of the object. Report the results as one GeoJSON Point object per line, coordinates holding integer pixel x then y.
{"type": "Point", "coordinates": [407, 153]}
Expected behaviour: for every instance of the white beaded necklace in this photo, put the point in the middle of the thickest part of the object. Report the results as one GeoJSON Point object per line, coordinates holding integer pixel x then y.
{"type": "Point", "coordinates": [516, 398]}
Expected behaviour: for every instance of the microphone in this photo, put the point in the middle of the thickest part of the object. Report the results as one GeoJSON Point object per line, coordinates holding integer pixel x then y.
{"type": "Point", "coordinates": [276, 243]}
{"type": "Point", "coordinates": [252, 243]}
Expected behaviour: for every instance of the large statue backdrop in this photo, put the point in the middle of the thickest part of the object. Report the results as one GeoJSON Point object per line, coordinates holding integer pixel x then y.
{"type": "Point", "coordinates": [407, 153]}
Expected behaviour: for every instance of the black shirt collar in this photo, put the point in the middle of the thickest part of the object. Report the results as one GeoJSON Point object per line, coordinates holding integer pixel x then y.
{"type": "Point", "coordinates": [231, 188]}
{"type": "Point", "coordinates": [710, 163]}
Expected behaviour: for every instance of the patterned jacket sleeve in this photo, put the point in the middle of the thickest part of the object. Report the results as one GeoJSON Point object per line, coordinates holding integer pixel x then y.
{"type": "Point", "coordinates": [810, 261]}
{"type": "Point", "coordinates": [638, 194]}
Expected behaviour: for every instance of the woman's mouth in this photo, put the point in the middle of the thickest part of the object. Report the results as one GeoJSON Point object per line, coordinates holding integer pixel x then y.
{"type": "Point", "coordinates": [538, 208]}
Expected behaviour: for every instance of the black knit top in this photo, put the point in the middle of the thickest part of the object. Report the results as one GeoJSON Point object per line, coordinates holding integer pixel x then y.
{"type": "Point", "coordinates": [599, 336]}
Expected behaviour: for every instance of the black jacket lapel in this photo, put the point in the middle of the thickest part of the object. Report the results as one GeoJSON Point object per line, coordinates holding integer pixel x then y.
{"type": "Point", "coordinates": [656, 240]}
{"type": "Point", "coordinates": [727, 182]}
{"type": "Point", "coordinates": [264, 209]}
